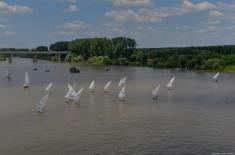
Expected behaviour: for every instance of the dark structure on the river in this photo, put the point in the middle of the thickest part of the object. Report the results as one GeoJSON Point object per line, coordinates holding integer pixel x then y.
{"type": "Point", "coordinates": [34, 54]}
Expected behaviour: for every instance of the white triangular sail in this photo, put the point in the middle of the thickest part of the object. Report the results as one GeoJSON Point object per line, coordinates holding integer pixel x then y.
{"type": "Point", "coordinates": [26, 80]}
{"type": "Point", "coordinates": [48, 88]}
{"type": "Point", "coordinates": [92, 86]}
{"type": "Point", "coordinates": [155, 91]}
{"type": "Point", "coordinates": [106, 87]}
{"type": "Point", "coordinates": [124, 80]}
{"type": "Point", "coordinates": [122, 94]}
{"type": "Point", "coordinates": [76, 97]}
{"type": "Point", "coordinates": [120, 83]}
{"type": "Point", "coordinates": [41, 104]}
{"type": "Point", "coordinates": [170, 83]}
{"type": "Point", "coordinates": [216, 76]}
{"type": "Point", "coordinates": [70, 93]}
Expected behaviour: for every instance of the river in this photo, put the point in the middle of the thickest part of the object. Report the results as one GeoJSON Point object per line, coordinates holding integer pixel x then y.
{"type": "Point", "coordinates": [195, 118]}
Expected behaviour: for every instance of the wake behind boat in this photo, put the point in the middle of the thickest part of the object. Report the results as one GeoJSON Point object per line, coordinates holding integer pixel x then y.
{"type": "Point", "coordinates": [41, 104]}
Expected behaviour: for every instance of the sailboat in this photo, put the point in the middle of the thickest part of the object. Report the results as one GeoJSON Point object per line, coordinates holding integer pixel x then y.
{"type": "Point", "coordinates": [41, 104]}
{"type": "Point", "coordinates": [48, 88]}
{"type": "Point", "coordinates": [26, 80]}
{"type": "Point", "coordinates": [170, 83]}
{"type": "Point", "coordinates": [92, 86]}
{"type": "Point", "coordinates": [106, 87]}
{"type": "Point", "coordinates": [69, 94]}
{"type": "Point", "coordinates": [122, 82]}
{"type": "Point", "coordinates": [8, 75]}
{"type": "Point", "coordinates": [155, 92]}
{"type": "Point", "coordinates": [122, 94]}
{"type": "Point", "coordinates": [216, 76]}
{"type": "Point", "coordinates": [76, 97]}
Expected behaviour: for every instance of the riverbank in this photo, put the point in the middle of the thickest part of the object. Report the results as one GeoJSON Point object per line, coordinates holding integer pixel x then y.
{"type": "Point", "coordinates": [104, 60]}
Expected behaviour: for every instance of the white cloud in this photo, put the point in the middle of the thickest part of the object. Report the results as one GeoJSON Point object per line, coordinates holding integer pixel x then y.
{"type": "Point", "coordinates": [143, 14]}
{"type": "Point", "coordinates": [7, 33]}
{"type": "Point", "coordinates": [190, 6]}
{"type": "Point", "coordinates": [70, 1]}
{"type": "Point", "coordinates": [8, 9]}
{"type": "Point", "coordinates": [216, 14]}
{"type": "Point", "coordinates": [132, 2]}
{"type": "Point", "coordinates": [76, 24]}
{"type": "Point", "coordinates": [72, 8]}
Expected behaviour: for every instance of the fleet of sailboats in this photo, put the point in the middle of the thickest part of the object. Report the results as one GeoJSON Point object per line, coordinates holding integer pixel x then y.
{"type": "Point", "coordinates": [75, 96]}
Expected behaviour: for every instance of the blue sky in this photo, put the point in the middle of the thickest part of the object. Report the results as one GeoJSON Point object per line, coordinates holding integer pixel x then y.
{"type": "Point", "coordinates": [153, 23]}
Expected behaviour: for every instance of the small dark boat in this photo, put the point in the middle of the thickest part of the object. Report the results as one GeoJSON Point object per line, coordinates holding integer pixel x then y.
{"type": "Point", "coordinates": [47, 70]}
{"type": "Point", "coordinates": [74, 70]}
{"type": "Point", "coordinates": [106, 69]}
{"type": "Point", "coordinates": [35, 69]}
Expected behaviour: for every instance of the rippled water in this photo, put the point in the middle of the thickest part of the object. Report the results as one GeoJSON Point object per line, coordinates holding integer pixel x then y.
{"type": "Point", "coordinates": [197, 117]}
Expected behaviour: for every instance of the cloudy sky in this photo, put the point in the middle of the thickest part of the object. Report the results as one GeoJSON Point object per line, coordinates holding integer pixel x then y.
{"type": "Point", "coordinates": [153, 23]}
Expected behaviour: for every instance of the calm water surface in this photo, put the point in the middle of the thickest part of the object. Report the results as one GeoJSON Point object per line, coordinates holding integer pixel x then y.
{"type": "Point", "coordinates": [196, 118]}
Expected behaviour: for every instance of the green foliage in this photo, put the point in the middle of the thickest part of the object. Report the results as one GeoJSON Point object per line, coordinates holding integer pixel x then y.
{"type": "Point", "coordinates": [98, 60]}
{"type": "Point", "coordinates": [212, 64]}
{"type": "Point", "coordinates": [59, 46]}
{"type": "Point", "coordinates": [41, 48]}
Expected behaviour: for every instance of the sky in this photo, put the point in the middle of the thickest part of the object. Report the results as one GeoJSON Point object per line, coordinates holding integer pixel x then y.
{"type": "Point", "coordinates": [152, 23]}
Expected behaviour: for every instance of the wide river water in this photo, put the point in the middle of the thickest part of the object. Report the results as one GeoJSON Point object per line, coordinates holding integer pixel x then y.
{"type": "Point", "coordinates": [196, 118]}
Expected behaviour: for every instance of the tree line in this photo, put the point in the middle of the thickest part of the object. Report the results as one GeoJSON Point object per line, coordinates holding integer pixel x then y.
{"type": "Point", "coordinates": [123, 51]}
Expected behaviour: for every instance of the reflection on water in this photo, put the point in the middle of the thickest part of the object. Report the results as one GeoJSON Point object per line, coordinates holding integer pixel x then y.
{"type": "Point", "coordinates": [196, 117]}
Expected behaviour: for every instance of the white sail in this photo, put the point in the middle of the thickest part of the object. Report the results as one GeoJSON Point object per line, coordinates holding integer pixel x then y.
{"type": "Point", "coordinates": [48, 88]}
{"type": "Point", "coordinates": [92, 86]}
{"type": "Point", "coordinates": [120, 83]}
{"type": "Point", "coordinates": [124, 80]}
{"type": "Point", "coordinates": [8, 76]}
{"type": "Point", "coordinates": [70, 93]}
{"type": "Point", "coordinates": [76, 97]}
{"type": "Point", "coordinates": [106, 87]}
{"type": "Point", "coordinates": [170, 83]}
{"type": "Point", "coordinates": [122, 94]}
{"type": "Point", "coordinates": [215, 77]}
{"type": "Point", "coordinates": [26, 80]}
{"type": "Point", "coordinates": [155, 91]}
{"type": "Point", "coordinates": [41, 104]}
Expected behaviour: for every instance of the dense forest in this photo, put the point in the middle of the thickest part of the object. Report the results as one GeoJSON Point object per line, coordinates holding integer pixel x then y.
{"type": "Point", "coordinates": [123, 51]}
